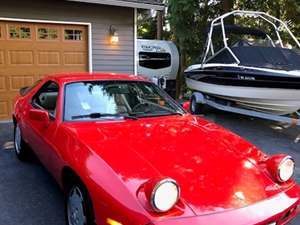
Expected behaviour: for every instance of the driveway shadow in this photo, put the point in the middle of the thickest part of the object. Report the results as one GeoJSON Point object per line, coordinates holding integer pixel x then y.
{"type": "Point", "coordinates": [28, 194]}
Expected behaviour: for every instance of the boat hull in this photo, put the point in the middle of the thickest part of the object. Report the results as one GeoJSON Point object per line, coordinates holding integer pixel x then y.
{"type": "Point", "coordinates": [278, 101]}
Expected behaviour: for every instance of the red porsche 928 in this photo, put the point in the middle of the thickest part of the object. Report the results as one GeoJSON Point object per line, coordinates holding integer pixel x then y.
{"type": "Point", "coordinates": [125, 153]}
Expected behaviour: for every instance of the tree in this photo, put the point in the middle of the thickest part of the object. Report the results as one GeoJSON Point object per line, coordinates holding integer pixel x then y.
{"type": "Point", "coordinates": [182, 16]}
{"type": "Point", "coordinates": [286, 10]}
{"type": "Point", "coordinates": [146, 25]}
{"type": "Point", "coordinates": [189, 20]}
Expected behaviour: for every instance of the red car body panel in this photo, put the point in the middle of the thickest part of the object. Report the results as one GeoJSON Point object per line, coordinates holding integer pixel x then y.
{"type": "Point", "coordinates": [221, 176]}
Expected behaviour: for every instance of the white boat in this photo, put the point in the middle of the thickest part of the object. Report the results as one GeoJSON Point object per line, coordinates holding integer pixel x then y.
{"type": "Point", "coordinates": [260, 74]}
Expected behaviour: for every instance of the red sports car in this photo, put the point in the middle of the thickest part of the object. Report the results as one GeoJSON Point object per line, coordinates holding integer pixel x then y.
{"type": "Point", "coordinates": [125, 153]}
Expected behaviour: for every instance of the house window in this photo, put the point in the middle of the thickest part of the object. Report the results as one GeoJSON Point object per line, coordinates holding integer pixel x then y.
{"type": "Point", "coordinates": [19, 32]}
{"type": "Point", "coordinates": [73, 35]}
{"type": "Point", "coordinates": [47, 33]}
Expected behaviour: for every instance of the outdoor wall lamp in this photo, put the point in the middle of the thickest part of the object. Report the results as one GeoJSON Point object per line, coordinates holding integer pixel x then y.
{"type": "Point", "coordinates": [114, 37]}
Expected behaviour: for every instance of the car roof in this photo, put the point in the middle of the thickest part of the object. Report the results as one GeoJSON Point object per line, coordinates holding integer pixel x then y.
{"type": "Point", "coordinates": [73, 77]}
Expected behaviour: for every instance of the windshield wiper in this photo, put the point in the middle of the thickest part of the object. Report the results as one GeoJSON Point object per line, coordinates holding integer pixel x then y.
{"type": "Point", "coordinates": [100, 115]}
{"type": "Point", "coordinates": [171, 111]}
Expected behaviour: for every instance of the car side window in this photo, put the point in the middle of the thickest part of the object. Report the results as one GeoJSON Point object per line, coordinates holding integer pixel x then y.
{"type": "Point", "coordinates": [46, 98]}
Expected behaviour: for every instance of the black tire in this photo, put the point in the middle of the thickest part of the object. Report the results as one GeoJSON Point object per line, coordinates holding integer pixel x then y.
{"type": "Point", "coordinates": [22, 150]}
{"type": "Point", "coordinates": [196, 108]}
{"type": "Point", "coordinates": [87, 205]}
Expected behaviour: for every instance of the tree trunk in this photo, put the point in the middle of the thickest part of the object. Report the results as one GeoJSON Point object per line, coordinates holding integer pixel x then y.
{"type": "Point", "coordinates": [180, 77]}
{"type": "Point", "coordinates": [159, 25]}
{"type": "Point", "coordinates": [278, 13]}
{"type": "Point", "coordinates": [227, 6]}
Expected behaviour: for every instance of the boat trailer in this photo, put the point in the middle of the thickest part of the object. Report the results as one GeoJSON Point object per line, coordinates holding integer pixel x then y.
{"type": "Point", "coordinates": [227, 106]}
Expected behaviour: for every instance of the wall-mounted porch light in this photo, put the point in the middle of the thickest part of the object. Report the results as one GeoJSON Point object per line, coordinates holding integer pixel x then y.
{"type": "Point", "coordinates": [113, 35]}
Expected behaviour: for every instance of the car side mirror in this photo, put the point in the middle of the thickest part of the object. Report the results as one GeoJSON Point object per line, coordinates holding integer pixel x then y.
{"type": "Point", "coordinates": [39, 116]}
{"type": "Point", "coordinates": [186, 105]}
{"type": "Point", "coordinates": [23, 90]}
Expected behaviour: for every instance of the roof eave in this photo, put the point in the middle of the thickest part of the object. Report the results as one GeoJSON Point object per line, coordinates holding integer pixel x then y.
{"type": "Point", "coordinates": [159, 7]}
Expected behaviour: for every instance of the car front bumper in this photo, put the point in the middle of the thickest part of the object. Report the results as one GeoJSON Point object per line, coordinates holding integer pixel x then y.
{"type": "Point", "coordinates": [278, 210]}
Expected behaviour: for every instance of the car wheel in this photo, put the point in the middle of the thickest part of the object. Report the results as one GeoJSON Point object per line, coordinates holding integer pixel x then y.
{"type": "Point", "coordinates": [21, 148]}
{"type": "Point", "coordinates": [79, 209]}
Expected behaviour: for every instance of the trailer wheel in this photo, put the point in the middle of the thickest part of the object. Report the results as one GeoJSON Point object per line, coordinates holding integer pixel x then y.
{"type": "Point", "coordinates": [196, 108]}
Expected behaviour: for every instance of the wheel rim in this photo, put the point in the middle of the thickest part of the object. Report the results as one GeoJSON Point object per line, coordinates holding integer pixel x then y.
{"type": "Point", "coordinates": [18, 140]}
{"type": "Point", "coordinates": [76, 215]}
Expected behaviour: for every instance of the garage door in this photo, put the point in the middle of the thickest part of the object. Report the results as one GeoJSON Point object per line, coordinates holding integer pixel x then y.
{"type": "Point", "coordinates": [28, 51]}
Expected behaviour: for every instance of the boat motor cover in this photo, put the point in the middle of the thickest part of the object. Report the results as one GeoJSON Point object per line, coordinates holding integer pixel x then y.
{"type": "Point", "coordinates": [257, 56]}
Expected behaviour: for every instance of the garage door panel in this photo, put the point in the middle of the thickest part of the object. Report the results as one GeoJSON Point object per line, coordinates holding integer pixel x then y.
{"type": "Point", "coordinates": [4, 109]}
{"type": "Point", "coordinates": [74, 58]}
{"type": "Point", "coordinates": [21, 57]}
{"type": "Point", "coordinates": [29, 51]}
{"type": "Point", "coordinates": [49, 58]}
{"type": "Point", "coordinates": [18, 81]}
{"type": "Point", "coordinates": [2, 29]}
{"type": "Point", "coordinates": [6, 105]}
{"type": "Point", "coordinates": [3, 85]}
{"type": "Point", "coordinates": [2, 57]}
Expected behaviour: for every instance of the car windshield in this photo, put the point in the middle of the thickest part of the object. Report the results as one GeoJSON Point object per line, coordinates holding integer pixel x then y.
{"type": "Point", "coordinates": [94, 100]}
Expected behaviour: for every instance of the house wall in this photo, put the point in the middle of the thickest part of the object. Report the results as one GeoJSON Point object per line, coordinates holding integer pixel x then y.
{"type": "Point", "coordinates": [106, 57]}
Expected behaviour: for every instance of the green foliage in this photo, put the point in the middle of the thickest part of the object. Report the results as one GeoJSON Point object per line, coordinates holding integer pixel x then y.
{"type": "Point", "coordinates": [147, 25]}
{"type": "Point", "coordinates": [286, 10]}
{"type": "Point", "coordinates": [189, 21]}
{"type": "Point", "coordinates": [183, 16]}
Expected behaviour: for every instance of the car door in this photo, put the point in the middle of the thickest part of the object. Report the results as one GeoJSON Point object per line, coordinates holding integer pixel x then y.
{"type": "Point", "coordinates": [42, 135]}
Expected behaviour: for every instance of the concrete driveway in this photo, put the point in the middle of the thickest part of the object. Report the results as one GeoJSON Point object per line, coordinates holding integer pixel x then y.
{"type": "Point", "coordinates": [29, 196]}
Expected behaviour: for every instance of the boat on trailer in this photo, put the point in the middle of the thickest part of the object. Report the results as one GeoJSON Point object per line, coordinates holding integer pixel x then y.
{"type": "Point", "coordinates": [248, 68]}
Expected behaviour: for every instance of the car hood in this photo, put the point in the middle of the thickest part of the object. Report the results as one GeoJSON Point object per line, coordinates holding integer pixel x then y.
{"type": "Point", "coordinates": [216, 170]}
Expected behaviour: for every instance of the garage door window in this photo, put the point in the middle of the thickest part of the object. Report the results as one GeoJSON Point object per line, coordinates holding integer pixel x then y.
{"type": "Point", "coordinates": [73, 35]}
{"type": "Point", "coordinates": [47, 34]}
{"type": "Point", "coordinates": [19, 32]}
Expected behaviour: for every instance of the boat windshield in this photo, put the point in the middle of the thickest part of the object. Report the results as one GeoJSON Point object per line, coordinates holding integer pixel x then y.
{"type": "Point", "coordinates": [253, 48]}
{"type": "Point", "coordinates": [101, 100]}
{"type": "Point", "coordinates": [244, 36]}
{"type": "Point", "coordinates": [259, 56]}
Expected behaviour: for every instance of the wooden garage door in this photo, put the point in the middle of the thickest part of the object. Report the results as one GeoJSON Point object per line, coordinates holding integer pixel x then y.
{"type": "Point", "coordinates": [29, 51]}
